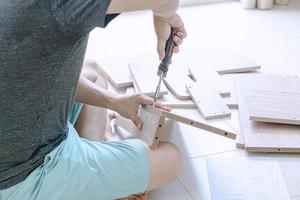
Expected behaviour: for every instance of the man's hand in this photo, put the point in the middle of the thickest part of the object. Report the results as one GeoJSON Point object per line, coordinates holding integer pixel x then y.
{"type": "Point", "coordinates": [128, 106]}
{"type": "Point", "coordinates": [163, 27]}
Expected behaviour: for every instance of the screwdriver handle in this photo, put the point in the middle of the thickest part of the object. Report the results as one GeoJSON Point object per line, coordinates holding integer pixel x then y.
{"type": "Point", "coordinates": [164, 65]}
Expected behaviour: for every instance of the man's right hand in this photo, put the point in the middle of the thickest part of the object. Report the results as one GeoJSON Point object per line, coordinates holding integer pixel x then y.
{"type": "Point", "coordinates": [129, 105]}
{"type": "Point", "coordinates": [163, 27]}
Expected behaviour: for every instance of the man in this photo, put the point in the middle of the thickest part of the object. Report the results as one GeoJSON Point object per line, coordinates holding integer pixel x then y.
{"type": "Point", "coordinates": [42, 46]}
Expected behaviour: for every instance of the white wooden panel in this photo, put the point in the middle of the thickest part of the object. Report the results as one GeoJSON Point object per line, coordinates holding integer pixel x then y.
{"type": "Point", "coordinates": [169, 100]}
{"type": "Point", "coordinates": [211, 78]}
{"type": "Point", "coordinates": [153, 123]}
{"type": "Point", "coordinates": [208, 101]}
{"type": "Point", "coordinates": [274, 107]}
{"type": "Point", "coordinates": [227, 61]}
{"type": "Point", "coordinates": [192, 122]}
{"type": "Point", "coordinates": [118, 74]}
{"type": "Point", "coordinates": [145, 79]}
{"type": "Point", "coordinates": [175, 82]}
{"type": "Point", "coordinates": [245, 179]}
{"type": "Point", "coordinates": [266, 137]}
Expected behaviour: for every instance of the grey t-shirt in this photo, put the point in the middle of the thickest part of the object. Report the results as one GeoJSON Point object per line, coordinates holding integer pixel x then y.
{"type": "Point", "coordinates": [42, 46]}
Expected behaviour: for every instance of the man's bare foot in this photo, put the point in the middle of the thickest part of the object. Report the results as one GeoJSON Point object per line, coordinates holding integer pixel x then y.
{"type": "Point", "coordinates": [109, 132]}
{"type": "Point", "coordinates": [136, 197]}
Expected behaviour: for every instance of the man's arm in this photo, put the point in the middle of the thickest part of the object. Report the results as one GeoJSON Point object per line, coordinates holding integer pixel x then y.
{"type": "Point", "coordinates": [92, 94]}
{"type": "Point", "coordinates": [126, 105]}
{"type": "Point", "coordinates": [164, 8]}
{"type": "Point", "coordinates": [164, 18]}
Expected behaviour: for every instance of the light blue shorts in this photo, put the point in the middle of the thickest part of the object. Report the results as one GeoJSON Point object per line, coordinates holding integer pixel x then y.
{"type": "Point", "coordinates": [80, 169]}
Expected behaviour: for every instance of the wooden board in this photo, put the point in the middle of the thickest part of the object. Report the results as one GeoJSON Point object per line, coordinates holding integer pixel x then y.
{"type": "Point", "coordinates": [193, 122]}
{"type": "Point", "coordinates": [153, 124]}
{"type": "Point", "coordinates": [211, 78]}
{"type": "Point", "coordinates": [245, 178]}
{"type": "Point", "coordinates": [208, 102]}
{"type": "Point", "coordinates": [175, 82]}
{"type": "Point", "coordinates": [169, 100]}
{"type": "Point", "coordinates": [266, 137]}
{"type": "Point", "coordinates": [228, 61]}
{"type": "Point", "coordinates": [145, 79]}
{"type": "Point", "coordinates": [231, 102]}
{"type": "Point", "coordinates": [118, 74]}
{"type": "Point", "coordinates": [274, 107]}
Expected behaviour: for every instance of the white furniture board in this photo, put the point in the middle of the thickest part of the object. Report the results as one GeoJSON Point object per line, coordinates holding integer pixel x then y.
{"type": "Point", "coordinates": [211, 78]}
{"type": "Point", "coordinates": [227, 61]}
{"type": "Point", "coordinates": [175, 82]}
{"type": "Point", "coordinates": [153, 123]}
{"type": "Point", "coordinates": [208, 101]}
{"type": "Point", "coordinates": [118, 74]}
{"type": "Point", "coordinates": [145, 79]}
{"type": "Point", "coordinates": [266, 137]}
{"type": "Point", "coordinates": [159, 123]}
{"type": "Point", "coordinates": [169, 100]}
{"type": "Point", "coordinates": [231, 102]}
{"type": "Point", "coordinates": [274, 107]}
{"type": "Point", "coordinates": [245, 179]}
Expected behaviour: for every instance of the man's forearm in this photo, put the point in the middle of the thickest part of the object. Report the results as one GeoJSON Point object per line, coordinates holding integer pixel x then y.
{"type": "Point", "coordinates": [90, 93]}
{"type": "Point", "coordinates": [164, 8]}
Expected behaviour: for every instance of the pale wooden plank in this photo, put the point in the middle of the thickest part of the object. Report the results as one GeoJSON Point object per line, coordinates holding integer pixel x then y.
{"type": "Point", "coordinates": [266, 137]}
{"type": "Point", "coordinates": [231, 102]}
{"type": "Point", "coordinates": [193, 122]}
{"type": "Point", "coordinates": [274, 107]}
{"type": "Point", "coordinates": [211, 78]}
{"type": "Point", "coordinates": [175, 82]}
{"type": "Point", "coordinates": [208, 102]}
{"type": "Point", "coordinates": [118, 74]}
{"type": "Point", "coordinates": [228, 61]}
{"type": "Point", "coordinates": [153, 123]}
{"type": "Point", "coordinates": [169, 100]}
{"type": "Point", "coordinates": [145, 79]}
{"type": "Point", "coordinates": [245, 178]}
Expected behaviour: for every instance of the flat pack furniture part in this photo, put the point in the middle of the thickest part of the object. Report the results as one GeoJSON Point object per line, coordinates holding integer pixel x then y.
{"type": "Point", "coordinates": [228, 61]}
{"type": "Point", "coordinates": [208, 102]}
{"type": "Point", "coordinates": [274, 107]}
{"type": "Point", "coordinates": [211, 78]}
{"type": "Point", "coordinates": [145, 79]}
{"type": "Point", "coordinates": [231, 101]}
{"type": "Point", "coordinates": [152, 126]}
{"type": "Point", "coordinates": [175, 82]}
{"type": "Point", "coordinates": [245, 178]}
{"type": "Point", "coordinates": [153, 123]}
{"type": "Point", "coordinates": [118, 74]}
{"type": "Point", "coordinates": [266, 137]}
{"type": "Point", "coordinates": [169, 100]}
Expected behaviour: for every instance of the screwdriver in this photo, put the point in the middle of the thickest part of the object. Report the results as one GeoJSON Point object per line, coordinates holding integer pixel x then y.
{"type": "Point", "coordinates": [164, 65]}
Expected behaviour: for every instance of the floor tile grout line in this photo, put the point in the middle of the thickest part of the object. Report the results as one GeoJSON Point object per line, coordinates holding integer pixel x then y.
{"type": "Point", "coordinates": [186, 190]}
{"type": "Point", "coordinates": [194, 157]}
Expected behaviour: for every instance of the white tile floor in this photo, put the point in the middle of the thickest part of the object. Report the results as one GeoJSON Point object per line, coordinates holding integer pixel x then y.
{"type": "Point", "coordinates": [272, 38]}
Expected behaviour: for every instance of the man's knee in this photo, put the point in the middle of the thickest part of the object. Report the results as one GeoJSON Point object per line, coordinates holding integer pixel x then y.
{"type": "Point", "coordinates": [101, 80]}
{"type": "Point", "coordinates": [174, 157]}
{"type": "Point", "coordinates": [94, 73]}
{"type": "Point", "coordinates": [166, 162]}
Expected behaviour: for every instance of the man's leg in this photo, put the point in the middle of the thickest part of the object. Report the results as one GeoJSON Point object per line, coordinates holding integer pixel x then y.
{"type": "Point", "coordinates": [166, 162]}
{"type": "Point", "coordinates": [91, 122]}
